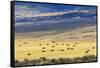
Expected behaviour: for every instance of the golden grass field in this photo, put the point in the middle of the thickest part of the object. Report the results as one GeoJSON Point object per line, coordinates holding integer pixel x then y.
{"type": "Point", "coordinates": [76, 43]}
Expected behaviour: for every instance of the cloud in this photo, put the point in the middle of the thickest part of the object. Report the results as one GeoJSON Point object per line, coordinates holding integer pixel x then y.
{"type": "Point", "coordinates": [23, 24]}
{"type": "Point", "coordinates": [22, 12]}
{"type": "Point", "coordinates": [27, 13]}
{"type": "Point", "coordinates": [38, 10]}
{"type": "Point", "coordinates": [28, 10]}
{"type": "Point", "coordinates": [78, 17]}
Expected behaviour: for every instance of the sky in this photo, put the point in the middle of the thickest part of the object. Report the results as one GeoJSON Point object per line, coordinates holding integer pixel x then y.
{"type": "Point", "coordinates": [33, 13]}
{"type": "Point", "coordinates": [24, 8]}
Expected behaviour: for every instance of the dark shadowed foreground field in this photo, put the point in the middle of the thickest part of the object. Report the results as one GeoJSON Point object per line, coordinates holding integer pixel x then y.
{"type": "Point", "coordinates": [45, 61]}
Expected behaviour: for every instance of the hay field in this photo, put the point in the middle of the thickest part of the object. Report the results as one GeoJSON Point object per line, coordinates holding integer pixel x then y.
{"type": "Point", "coordinates": [67, 44]}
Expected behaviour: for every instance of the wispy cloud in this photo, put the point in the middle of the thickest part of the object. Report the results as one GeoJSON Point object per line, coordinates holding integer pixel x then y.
{"type": "Point", "coordinates": [38, 9]}
{"type": "Point", "coordinates": [25, 13]}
